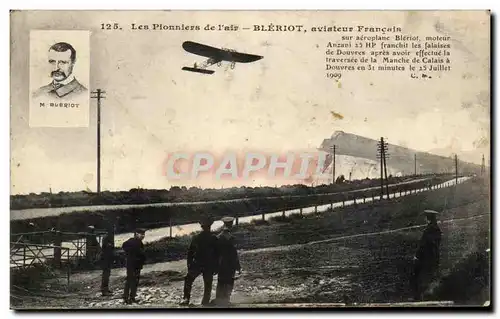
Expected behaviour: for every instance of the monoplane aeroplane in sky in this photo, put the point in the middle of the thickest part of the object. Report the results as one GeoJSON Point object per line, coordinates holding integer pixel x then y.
{"type": "Point", "coordinates": [214, 56]}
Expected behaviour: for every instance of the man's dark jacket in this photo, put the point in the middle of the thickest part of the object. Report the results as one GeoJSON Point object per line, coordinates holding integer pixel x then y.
{"type": "Point", "coordinates": [202, 252]}
{"type": "Point", "coordinates": [428, 251]}
{"type": "Point", "coordinates": [229, 261]}
{"type": "Point", "coordinates": [108, 246]}
{"type": "Point", "coordinates": [134, 250]}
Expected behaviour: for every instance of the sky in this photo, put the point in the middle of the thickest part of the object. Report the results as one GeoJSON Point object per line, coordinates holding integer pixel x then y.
{"type": "Point", "coordinates": [278, 104]}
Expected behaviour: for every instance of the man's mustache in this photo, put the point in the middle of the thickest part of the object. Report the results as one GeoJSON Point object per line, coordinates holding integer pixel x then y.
{"type": "Point", "coordinates": [57, 73]}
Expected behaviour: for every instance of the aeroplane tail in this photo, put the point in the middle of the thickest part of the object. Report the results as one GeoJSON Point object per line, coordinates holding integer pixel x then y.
{"type": "Point", "coordinates": [204, 71]}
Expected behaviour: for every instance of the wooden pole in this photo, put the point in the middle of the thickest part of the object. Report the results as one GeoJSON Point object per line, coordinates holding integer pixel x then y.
{"type": "Point", "coordinates": [99, 95]}
{"type": "Point", "coordinates": [333, 167]}
{"type": "Point", "coordinates": [385, 170]}
{"type": "Point", "coordinates": [415, 161]}
{"type": "Point", "coordinates": [381, 168]}
{"type": "Point", "coordinates": [98, 141]}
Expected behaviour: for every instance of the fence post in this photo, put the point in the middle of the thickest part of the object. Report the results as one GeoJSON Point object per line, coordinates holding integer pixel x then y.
{"type": "Point", "coordinates": [263, 216]}
{"type": "Point", "coordinates": [69, 270]}
{"type": "Point", "coordinates": [343, 202]}
{"type": "Point", "coordinates": [57, 248]}
{"type": "Point", "coordinates": [354, 200]}
{"type": "Point", "coordinates": [237, 220]}
{"type": "Point", "coordinates": [24, 255]}
{"type": "Point", "coordinates": [364, 199]}
{"type": "Point", "coordinates": [315, 208]}
{"type": "Point", "coordinates": [300, 211]}
{"type": "Point", "coordinates": [170, 226]}
{"type": "Point", "coordinates": [283, 214]}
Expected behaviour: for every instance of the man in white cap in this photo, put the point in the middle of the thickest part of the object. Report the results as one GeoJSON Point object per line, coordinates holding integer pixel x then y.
{"type": "Point", "coordinates": [229, 263]}
{"type": "Point", "coordinates": [427, 257]}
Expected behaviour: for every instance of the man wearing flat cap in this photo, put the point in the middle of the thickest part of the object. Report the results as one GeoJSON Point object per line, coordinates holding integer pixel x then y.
{"type": "Point", "coordinates": [229, 263]}
{"type": "Point", "coordinates": [201, 259]}
{"type": "Point", "coordinates": [427, 257]}
{"type": "Point", "coordinates": [134, 250]}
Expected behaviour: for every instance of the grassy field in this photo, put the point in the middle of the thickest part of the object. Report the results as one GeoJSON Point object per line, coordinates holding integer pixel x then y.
{"type": "Point", "coordinates": [463, 201]}
{"type": "Point", "coordinates": [374, 268]}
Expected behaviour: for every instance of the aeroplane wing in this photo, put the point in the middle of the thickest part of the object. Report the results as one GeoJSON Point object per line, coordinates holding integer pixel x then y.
{"type": "Point", "coordinates": [244, 57]}
{"type": "Point", "coordinates": [200, 49]}
{"type": "Point", "coordinates": [211, 52]}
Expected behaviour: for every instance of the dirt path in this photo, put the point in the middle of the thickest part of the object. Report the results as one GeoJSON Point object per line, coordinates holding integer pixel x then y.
{"type": "Point", "coordinates": [368, 266]}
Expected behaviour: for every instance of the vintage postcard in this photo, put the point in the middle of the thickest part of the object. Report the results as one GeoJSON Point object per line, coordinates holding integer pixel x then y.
{"type": "Point", "coordinates": [250, 159]}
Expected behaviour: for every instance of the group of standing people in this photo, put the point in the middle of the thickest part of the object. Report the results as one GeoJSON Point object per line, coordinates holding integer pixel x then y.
{"type": "Point", "coordinates": [208, 255]}
{"type": "Point", "coordinates": [135, 258]}
{"type": "Point", "coordinates": [211, 254]}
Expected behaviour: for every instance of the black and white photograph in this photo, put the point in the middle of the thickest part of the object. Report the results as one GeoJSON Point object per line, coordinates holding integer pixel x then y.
{"type": "Point", "coordinates": [202, 160]}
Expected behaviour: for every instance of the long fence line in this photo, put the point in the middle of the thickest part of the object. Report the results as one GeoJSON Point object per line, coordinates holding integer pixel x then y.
{"type": "Point", "coordinates": [155, 234]}
{"type": "Point", "coordinates": [30, 213]}
{"type": "Point", "coordinates": [260, 206]}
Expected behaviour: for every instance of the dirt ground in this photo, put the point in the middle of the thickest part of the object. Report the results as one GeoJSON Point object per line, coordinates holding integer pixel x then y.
{"type": "Point", "coordinates": [368, 264]}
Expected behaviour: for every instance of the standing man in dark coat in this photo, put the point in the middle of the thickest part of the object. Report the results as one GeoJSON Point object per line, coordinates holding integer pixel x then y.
{"type": "Point", "coordinates": [427, 257]}
{"type": "Point", "coordinates": [229, 263]}
{"type": "Point", "coordinates": [202, 259]}
{"type": "Point", "coordinates": [134, 250]}
{"type": "Point", "coordinates": [93, 249]}
{"type": "Point", "coordinates": [107, 259]}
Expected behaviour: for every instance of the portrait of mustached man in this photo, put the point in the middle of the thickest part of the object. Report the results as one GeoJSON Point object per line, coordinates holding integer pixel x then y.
{"type": "Point", "coordinates": [62, 59]}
